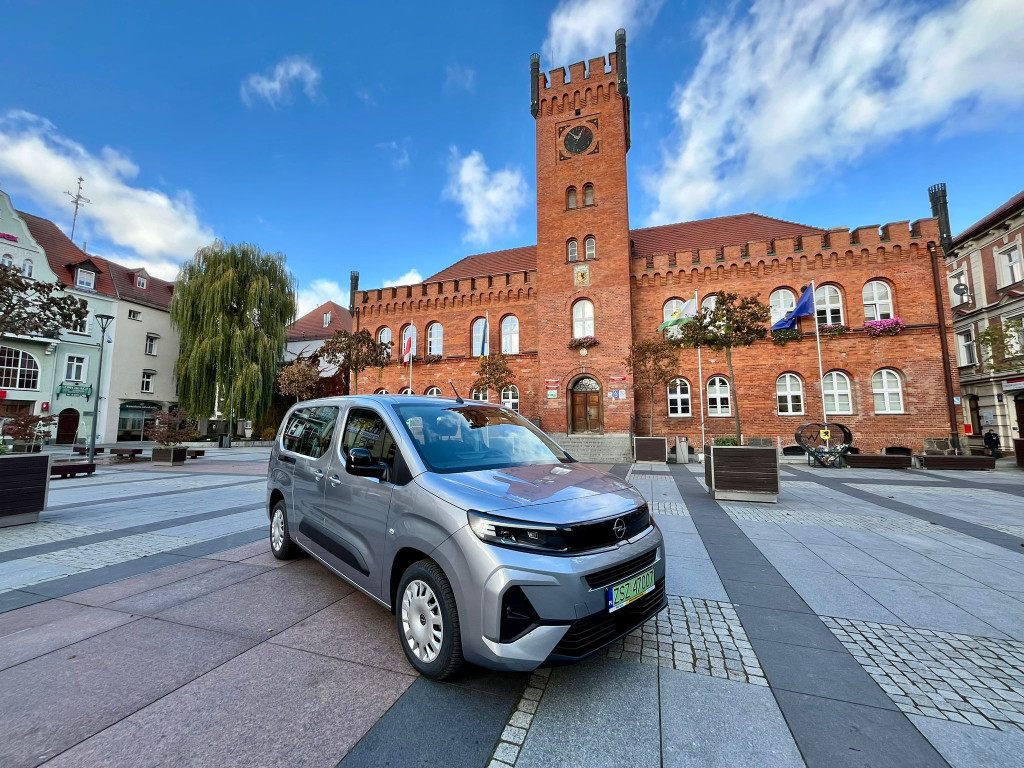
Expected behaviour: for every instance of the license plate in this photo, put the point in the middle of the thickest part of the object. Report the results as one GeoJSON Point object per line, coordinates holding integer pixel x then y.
{"type": "Point", "coordinates": [621, 595]}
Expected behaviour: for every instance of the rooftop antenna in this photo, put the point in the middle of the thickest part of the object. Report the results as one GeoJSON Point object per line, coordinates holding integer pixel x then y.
{"type": "Point", "coordinates": [458, 399]}
{"type": "Point", "coordinates": [78, 201]}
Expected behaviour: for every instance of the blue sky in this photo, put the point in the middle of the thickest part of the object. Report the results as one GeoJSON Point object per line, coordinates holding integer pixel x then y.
{"type": "Point", "coordinates": [396, 139]}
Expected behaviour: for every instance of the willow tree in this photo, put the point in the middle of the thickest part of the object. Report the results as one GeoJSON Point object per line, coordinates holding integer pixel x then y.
{"type": "Point", "coordinates": [232, 305]}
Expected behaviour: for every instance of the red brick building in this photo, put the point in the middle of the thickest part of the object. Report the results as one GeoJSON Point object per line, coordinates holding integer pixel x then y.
{"type": "Point", "coordinates": [590, 274]}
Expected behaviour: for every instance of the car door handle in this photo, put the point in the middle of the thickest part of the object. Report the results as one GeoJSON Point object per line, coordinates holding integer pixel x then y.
{"type": "Point", "coordinates": [286, 459]}
{"type": "Point", "coordinates": [318, 474]}
{"type": "Point", "coordinates": [335, 480]}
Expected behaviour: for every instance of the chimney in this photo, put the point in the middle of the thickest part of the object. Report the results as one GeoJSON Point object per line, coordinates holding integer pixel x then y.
{"type": "Point", "coordinates": [353, 288]}
{"type": "Point", "coordinates": [620, 62]}
{"type": "Point", "coordinates": [534, 83]}
{"type": "Point", "coordinates": [940, 210]}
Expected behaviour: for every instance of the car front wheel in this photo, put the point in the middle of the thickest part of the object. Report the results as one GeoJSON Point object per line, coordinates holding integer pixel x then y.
{"type": "Point", "coordinates": [281, 544]}
{"type": "Point", "coordinates": [428, 621]}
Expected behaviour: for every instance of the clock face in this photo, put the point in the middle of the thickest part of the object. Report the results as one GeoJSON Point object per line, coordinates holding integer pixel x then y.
{"type": "Point", "coordinates": [578, 139]}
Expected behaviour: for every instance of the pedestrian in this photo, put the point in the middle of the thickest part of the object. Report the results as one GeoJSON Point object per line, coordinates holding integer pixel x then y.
{"type": "Point", "coordinates": [992, 443]}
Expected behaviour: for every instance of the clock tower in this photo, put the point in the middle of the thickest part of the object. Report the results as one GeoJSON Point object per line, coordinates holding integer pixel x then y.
{"type": "Point", "coordinates": [583, 247]}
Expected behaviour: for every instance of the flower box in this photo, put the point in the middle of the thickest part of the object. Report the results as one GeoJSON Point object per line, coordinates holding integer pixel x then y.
{"type": "Point", "coordinates": [892, 326]}
{"type": "Point", "coordinates": [24, 486]}
{"type": "Point", "coordinates": [742, 473]}
{"type": "Point", "coordinates": [583, 342]}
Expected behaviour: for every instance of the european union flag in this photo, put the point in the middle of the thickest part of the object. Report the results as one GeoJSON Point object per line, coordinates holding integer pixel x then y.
{"type": "Point", "coordinates": [803, 308]}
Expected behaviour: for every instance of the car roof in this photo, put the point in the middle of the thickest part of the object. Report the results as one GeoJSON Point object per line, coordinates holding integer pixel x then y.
{"type": "Point", "coordinates": [394, 400]}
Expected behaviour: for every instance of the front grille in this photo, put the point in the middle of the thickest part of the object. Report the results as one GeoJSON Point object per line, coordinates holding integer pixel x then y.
{"type": "Point", "coordinates": [616, 573]}
{"type": "Point", "coordinates": [598, 630]}
{"type": "Point", "coordinates": [585, 536]}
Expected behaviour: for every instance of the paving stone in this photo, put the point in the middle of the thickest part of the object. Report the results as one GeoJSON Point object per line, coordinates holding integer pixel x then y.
{"type": "Point", "coordinates": [36, 614]}
{"type": "Point", "coordinates": [966, 746]}
{"type": "Point", "coordinates": [693, 578]}
{"type": "Point", "coordinates": [159, 599]}
{"type": "Point", "coordinates": [41, 639]}
{"type": "Point", "coordinates": [118, 590]}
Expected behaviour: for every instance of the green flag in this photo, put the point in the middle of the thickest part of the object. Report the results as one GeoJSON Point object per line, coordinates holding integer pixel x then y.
{"type": "Point", "coordinates": [681, 316]}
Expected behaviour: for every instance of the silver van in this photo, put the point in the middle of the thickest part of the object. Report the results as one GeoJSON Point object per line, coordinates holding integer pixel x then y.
{"type": "Point", "coordinates": [486, 540]}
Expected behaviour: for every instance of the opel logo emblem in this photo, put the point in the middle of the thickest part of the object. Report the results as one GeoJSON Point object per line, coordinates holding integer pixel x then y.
{"type": "Point", "coordinates": [619, 528]}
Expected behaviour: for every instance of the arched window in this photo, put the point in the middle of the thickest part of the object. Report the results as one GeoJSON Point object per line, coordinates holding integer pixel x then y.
{"type": "Point", "coordinates": [590, 246]}
{"type": "Point", "coordinates": [572, 251]}
{"type": "Point", "coordinates": [409, 332]}
{"type": "Point", "coordinates": [789, 392]}
{"type": "Point", "coordinates": [781, 302]}
{"type": "Point", "coordinates": [877, 301]}
{"type": "Point", "coordinates": [671, 310]}
{"type": "Point", "coordinates": [510, 398]}
{"type": "Point", "coordinates": [481, 347]}
{"type": "Point", "coordinates": [381, 391]}
{"type": "Point", "coordinates": [588, 194]}
{"type": "Point", "coordinates": [510, 335]}
{"type": "Point", "coordinates": [828, 305]}
{"type": "Point", "coordinates": [27, 268]}
{"type": "Point", "coordinates": [384, 335]}
{"type": "Point", "coordinates": [480, 395]}
{"type": "Point", "coordinates": [433, 392]}
{"type": "Point", "coordinates": [405, 391]}
{"type": "Point", "coordinates": [570, 198]}
{"type": "Point", "coordinates": [709, 302]}
{"type": "Point", "coordinates": [835, 391]}
{"type": "Point", "coordinates": [679, 397]}
{"type": "Point", "coordinates": [435, 339]}
{"type": "Point", "coordinates": [18, 370]}
{"type": "Point", "coordinates": [888, 391]}
{"type": "Point", "coordinates": [582, 319]}
{"type": "Point", "coordinates": [718, 396]}
{"type": "Point", "coordinates": [6, 260]}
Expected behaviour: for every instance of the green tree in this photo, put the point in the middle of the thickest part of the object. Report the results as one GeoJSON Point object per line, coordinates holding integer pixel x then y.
{"type": "Point", "coordinates": [299, 379]}
{"type": "Point", "coordinates": [493, 372]}
{"type": "Point", "coordinates": [356, 352]}
{"type": "Point", "coordinates": [33, 308]}
{"type": "Point", "coordinates": [652, 363]}
{"type": "Point", "coordinates": [232, 305]}
{"type": "Point", "coordinates": [1002, 345]}
{"type": "Point", "coordinates": [733, 321]}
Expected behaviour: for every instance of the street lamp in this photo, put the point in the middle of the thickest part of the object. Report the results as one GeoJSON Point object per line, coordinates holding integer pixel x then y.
{"type": "Point", "coordinates": [104, 322]}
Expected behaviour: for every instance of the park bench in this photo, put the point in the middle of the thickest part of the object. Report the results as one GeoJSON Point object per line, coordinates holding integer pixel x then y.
{"type": "Point", "coordinates": [71, 469]}
{"type": "Point", "coordinates": [939, 461]}
{"type": "Point", "coordinates": [126, 453]}
{"type": "Point", "coordinates": [195, 453]}
{"type": "Point", "coordinates": [83, 450]}
{"type": "Point", "coordinates": [877, 461]}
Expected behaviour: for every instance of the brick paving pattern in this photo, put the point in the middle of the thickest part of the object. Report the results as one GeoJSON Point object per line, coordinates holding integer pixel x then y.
{"type": "Point", "coordinates": [950, 676]}
{"type": "Point", "coordinates": [42, 532]}
{"type": "Point", "coordinates": [506, 753]}
{"type": "Point", "coordinates": [775, 514]}
{"type": "Point", "coordinates": [677, 508]}
{"type": "Point", "coordinates": [694, 635]}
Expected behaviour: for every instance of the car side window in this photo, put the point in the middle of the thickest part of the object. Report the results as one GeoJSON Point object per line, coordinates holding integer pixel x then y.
{"type": "Point", "coordinates": [309, 430]}
{"type": "Point", "coordinates": [366, 429]}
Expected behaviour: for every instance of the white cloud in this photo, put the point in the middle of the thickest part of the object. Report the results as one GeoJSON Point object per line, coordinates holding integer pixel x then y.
{"type": "Point", "coordinates": [41, 163]}
{"type": "Point", "coordinates": [490, 201]}
{"type": "Point", "coordinates": [584, 29]}
{"type": "Point", "coordinates": [318, 292]}
{"type": "Point", "coordinates": [791, 89]}
{"type": "Point", "coordinates": [399, 152]}
{"type": "Point", "coordinates": [275, 87]}
{"type": "Point", "coordinates": [459, 78]}
{"type": "Point", "coordinates": [412, 277]}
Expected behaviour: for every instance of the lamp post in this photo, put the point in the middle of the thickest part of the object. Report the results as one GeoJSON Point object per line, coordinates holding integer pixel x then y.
{"type": "Point", "coordinates": [104, 323]}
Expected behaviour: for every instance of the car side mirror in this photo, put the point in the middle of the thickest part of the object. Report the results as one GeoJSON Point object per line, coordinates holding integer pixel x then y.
{"type": "Point", "coordinates": [361, 463]}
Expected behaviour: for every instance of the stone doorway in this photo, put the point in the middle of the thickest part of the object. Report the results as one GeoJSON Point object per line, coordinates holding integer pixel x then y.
{"type": "Point", "coordinates": [586, 414]}
{"type": "Point", "coordinates": [67, 426]}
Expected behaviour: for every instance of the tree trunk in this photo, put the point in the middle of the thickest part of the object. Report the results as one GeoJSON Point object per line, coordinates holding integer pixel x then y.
{"type": "Point", "coordinates": [355, 382]}
{"type": "Point", "coordinates": [651, 430]}
{"type": "Point", "coordinates": [732, 394]}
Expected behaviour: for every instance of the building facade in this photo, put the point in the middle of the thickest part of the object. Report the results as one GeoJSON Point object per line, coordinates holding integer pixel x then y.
{"type": "Point", "coordinates": [566, 310]}
{"type": "Point", "coordinates": [986, 281]}
{"type": "Point", "coordinates": [308, 333]}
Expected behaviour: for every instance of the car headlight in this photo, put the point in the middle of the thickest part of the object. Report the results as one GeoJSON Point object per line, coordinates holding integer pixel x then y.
{"type": "Point", "coordinates": [517, 533]}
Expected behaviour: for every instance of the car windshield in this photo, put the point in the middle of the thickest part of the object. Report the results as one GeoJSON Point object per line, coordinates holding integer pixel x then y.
{"type": "Point", "coordinates": [463, 438]}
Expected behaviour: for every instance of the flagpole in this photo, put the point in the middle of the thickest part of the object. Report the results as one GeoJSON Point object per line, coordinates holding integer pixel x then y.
{"type": "Point", "coordinates": [821, 371]}
{"type": "Point", "coordinates": [412, 351]}
{"type": "Point", "coordinates": [700, 384]}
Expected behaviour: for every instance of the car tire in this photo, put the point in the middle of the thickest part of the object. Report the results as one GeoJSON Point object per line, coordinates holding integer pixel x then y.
{"type": "Point", "coordinates": [281, 545]}
{"type": "Point", "coordinates": [425, 602]}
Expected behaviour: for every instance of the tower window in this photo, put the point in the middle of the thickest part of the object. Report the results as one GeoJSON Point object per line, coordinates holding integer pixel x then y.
{"type": "Point", "coordinates": [591, 248]}
{"type": "Point", "coordinates": [570, 198]}
{"type": "Point", "coordinates": [588, 194]}
{"type": "Point", "coordinates": [572, 250]}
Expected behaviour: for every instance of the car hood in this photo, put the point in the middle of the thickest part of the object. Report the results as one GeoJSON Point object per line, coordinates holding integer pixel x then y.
{"type": "Point", "coordinates": [543, 493]}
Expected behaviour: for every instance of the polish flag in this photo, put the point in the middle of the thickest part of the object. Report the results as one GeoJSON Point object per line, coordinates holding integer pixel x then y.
{"type": "Point", "coordinates": [408, 350]}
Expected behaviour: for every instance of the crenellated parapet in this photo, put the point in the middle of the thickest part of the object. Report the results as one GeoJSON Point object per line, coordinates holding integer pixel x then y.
{"type": "Point", "coordinates": [588, 83]}
{"type": "Point", "coordinates": [839, 247]}
{"type": "Point", "coordinates": [447, 294]}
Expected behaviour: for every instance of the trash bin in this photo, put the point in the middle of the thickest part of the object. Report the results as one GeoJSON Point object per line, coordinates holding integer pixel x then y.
{"type": "Point", "coordinates": [224, 441]}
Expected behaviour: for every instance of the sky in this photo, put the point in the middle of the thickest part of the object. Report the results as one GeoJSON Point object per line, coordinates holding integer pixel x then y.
{"type": "Point", "coordinates": [396, 139]}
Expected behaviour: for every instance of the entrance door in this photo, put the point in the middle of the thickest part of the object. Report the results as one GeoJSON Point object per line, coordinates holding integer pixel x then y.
{"type": "Point", "coordinates": [1018, 403]}
{"type": "Point", "coordinates": [585, 400]}
{"type": "Point", "coordinates": [67, 426]}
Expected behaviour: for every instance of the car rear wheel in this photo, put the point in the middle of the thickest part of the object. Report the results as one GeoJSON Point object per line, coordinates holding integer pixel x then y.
{"type": "Point", "coordinates": [281, 544]}
{"type": "Point", "coordinates": [428, 621]}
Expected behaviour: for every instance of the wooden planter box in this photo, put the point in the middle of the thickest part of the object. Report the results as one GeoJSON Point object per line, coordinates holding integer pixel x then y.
{"type": "Point", "coordinates": [26, 448]}
{"type": "Point", "coordinates": [1018, 451]}
{"type": "Point", "coordinates": [742, 473]}
{"type": "Point", "coordinates": [877, 461]}
{"type": "Point", "coordinates": [956, 462]}
{"type": "Point", "coordinates": [24, 487]}
{"type": "Point", "coordinates": [170, 457]}
{"type": "Point", "coordinates": [650, 449]}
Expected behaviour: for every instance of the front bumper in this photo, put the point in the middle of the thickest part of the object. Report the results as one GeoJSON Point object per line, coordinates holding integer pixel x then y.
{"type": "Point", "coordinates": [572, 614]}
